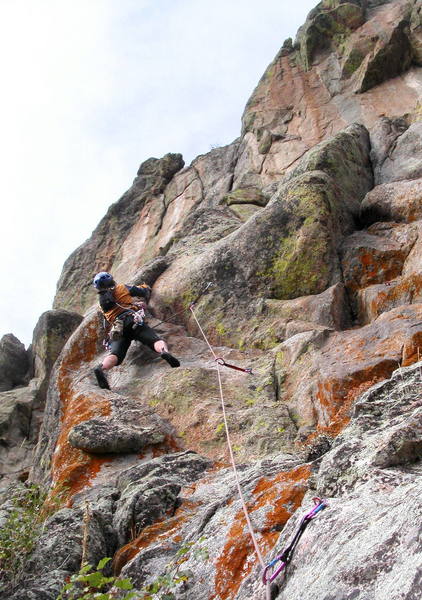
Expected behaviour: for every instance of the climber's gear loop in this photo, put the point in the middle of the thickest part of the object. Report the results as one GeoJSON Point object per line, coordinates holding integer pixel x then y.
{"type": "Point", "coordinates": [138, 317]}
{"type": "Point", "coordinates": [223, 363]}
{"type": "Point", "coordinates": [286, 556]}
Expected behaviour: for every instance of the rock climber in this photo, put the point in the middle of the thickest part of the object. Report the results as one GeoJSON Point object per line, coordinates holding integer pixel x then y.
{"type": "Point", "coordinates": [124, 310]}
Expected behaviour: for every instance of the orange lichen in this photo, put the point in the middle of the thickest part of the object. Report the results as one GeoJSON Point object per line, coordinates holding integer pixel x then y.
{"type": "Point", "coordinates": [374, 301]}
{"type": "Point", "coordinates": [412, 350]}
{"type": "Point", "coordinates": [375, 268]}
{"type": "Point", "coordinates": [282, 495]}
{"type": "Point", "coordinates": [337, 396]}
{"type": "Point", "coordinates": [72, 469]}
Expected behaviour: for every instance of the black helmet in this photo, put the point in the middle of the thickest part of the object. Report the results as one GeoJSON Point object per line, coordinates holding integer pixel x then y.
{"type": "Point", "coordinates": [103, 281]}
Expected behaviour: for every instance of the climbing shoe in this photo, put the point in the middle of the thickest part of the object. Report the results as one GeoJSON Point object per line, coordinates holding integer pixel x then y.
{"type": "Point", "coordinates": [172, 360]}
{"type": "Point", "coordinates": [101, 378]}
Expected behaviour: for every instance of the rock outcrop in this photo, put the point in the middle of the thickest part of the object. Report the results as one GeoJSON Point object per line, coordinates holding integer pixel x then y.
{"type": "Point", "coordinates": [14, 363]}
{"type": "Point", "coordinates": [296, 249]}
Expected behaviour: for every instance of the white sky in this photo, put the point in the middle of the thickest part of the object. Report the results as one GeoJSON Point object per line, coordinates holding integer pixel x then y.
{"type": "Point", "coordinates": [92, 88]}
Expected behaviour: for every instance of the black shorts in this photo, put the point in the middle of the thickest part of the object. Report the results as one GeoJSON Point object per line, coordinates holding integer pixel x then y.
{"type": "Point", "coordinates": [141, 333]}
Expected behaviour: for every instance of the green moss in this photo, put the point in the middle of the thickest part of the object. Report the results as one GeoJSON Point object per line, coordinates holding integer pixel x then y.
{"type": "Point", "coordinates": [248, 121]}
{"type": "Point", "coordinates": [220, 329]}
{"type": "Point", "coordinates": [327, 28]}
{"type": "Point", "coordinates": [300, 266]}
{"type": "Point", "coordinates": [250, 401]}
{"type": "Point", "coordinates": [298, 269]}
{"type": "Point", "coordinates": [352, 63]}
{"type": "Point", "coordinates": [188, 297]}
{"type": "Point", "coordinates": [250, 195]}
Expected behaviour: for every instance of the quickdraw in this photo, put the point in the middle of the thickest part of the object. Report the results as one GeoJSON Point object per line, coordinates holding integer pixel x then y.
{"type": "Point", "coordinates": [273, 569]}
{"type": "Point", "coordinates": [222, 362]}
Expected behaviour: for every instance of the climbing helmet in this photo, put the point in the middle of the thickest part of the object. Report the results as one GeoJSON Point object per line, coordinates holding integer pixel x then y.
{"type": "Point", "coordinates": [103, 281]}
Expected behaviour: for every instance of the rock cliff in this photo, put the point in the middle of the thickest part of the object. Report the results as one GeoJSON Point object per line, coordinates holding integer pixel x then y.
{"type": "Point", "coordinates": [300, 244]}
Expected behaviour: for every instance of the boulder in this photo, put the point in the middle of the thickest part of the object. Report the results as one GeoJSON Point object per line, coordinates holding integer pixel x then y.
{"type": "Point", "coordinates": [247, 195]}
{"type": "Point", "coordinates": [18, 433]}
{"type": "Point", "coordinates": [14, 363]}
{"type": "Point", "coordinates": [321, 375]}
{"type": "Point", "coordinates": [278, 320]}
{"type": "Point", "coordinates": [377, 299]}
{"type": "Point", "coordinates": [397, 201]}
{"type": "Point", "coordinates": [103, 436]}
{"type": "Point", "coordinates": [323, 24]}
{"type": "Point", "coordinates": [345, 159]}
{"type": "Point", "coordinates": [396, 148]}
{"type": "Point", "coordinates": [385, 431]}
{"type": "Point", "coordinates": [149, 492]}
{"type": "Point", "coordinates": [375, 255]}
{"type": "Point", "coordinates": [368, 355]}
{"type": "Point", "coordinates": [404, 289]}
{"type": "Point", "coordinates": [415, 33]}
{"type": "Point", "coordinates": [211, 521]}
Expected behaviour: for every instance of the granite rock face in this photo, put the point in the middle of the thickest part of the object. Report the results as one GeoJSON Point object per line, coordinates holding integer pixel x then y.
{"type": "Point", "coordinates": [296, 251]}
{"type": "Point", "coordinates": [50, 335]}
{"type": "Point", "coordinates": [98, 253]}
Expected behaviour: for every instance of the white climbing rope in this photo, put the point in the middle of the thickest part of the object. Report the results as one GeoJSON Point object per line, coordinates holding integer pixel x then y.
{"type": "Point", "coordinates": [233, 463]}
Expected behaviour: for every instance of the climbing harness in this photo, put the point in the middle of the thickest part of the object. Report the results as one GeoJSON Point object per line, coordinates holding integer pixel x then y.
{"type": "Point", "coordinates": [280, 562]}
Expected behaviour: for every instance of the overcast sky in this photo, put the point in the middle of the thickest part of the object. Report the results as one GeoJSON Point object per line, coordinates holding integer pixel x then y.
{"type": "Point", "coordinates": [92, 88]}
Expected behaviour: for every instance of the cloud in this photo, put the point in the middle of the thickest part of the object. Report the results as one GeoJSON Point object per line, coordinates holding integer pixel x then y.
{"type": "Point", "coordinates": [90, 90]}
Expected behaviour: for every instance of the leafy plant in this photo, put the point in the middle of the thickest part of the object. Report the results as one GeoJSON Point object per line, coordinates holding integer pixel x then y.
{"type": "Point", "coordinates": [90, 584]}
{"type": "Point", "coordinates": [19, 532]}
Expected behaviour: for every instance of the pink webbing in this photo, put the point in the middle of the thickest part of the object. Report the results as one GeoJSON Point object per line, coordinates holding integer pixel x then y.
{"type": "Point", "coordinates": [229, 444]}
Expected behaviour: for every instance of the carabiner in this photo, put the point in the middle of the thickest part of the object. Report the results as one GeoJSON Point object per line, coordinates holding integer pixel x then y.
{"type": "Point", "coordinates": [269, 579]}
{"type": "Point", "coordinates": [319, 505]}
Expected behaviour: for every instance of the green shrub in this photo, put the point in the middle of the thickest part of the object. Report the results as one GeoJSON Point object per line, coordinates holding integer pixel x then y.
{"type": "Point", "coordinates": [90, 584]}
{"type": "Point", "coordinates": [20, 531]}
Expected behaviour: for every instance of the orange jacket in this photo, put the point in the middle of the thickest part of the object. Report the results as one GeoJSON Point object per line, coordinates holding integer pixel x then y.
{"type": "Point", "coordinates": [125, 297]}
